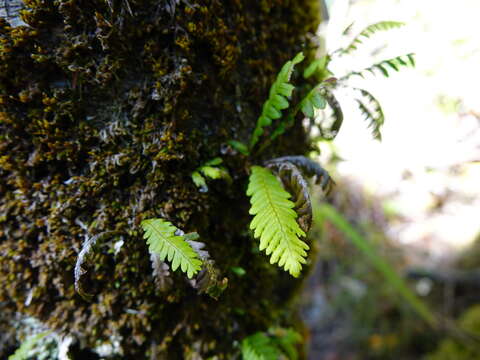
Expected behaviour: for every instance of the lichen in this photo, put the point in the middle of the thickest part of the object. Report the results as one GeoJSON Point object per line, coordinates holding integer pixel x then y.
{"type": "Point", "coordinates": [106, 107]}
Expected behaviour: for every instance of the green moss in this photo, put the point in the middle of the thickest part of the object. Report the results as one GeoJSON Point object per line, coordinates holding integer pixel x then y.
{"type": "Point", "coordinates": [103, 115]}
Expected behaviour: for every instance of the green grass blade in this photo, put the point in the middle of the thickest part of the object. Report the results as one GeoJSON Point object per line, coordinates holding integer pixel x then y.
{"type": "Point", "coordinates": [327, 212]}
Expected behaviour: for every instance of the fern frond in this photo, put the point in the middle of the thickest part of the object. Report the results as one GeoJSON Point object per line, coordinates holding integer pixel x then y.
{"type": "Point", "coordinates": [259, 347]}
{"type": "Point", "coordinates": [211, 169]}
{"type": "Point", "coordinates": [383, 66]}
{"type": "Point", "coordinates": [313, 100]}
{"type": "Point", "coordinates": [310, 168]}
{"type": "Point", "coordinates": [87, 246]}
{"type": "Point", "coordinates": [297, 186]}
{"type": "Point", "coordinates": [274, 221]}
{"type": "Point", "coordinates": [372, 112]}
{"type": "Point", "coordinates": [274, 345]}
{"type": "Point", "coordinates": [330, 131]}
{"type": "Point", "coordinates": [277, 100]}
{"type": "Point", "coordinates": [318, 66]}
{"type": "Point", "coordinates": [23, 352]}
{"type": "Point", "coordinates": [369, 31]}
{"type": "Point", "coordinates": [161, 238]}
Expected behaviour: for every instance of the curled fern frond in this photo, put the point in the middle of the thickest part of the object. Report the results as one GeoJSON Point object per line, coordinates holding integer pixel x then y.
{"type": "Point", "coordinates": [87, 246]}
{"type": "Point", "coordinates": [280, 92]}
{"type": "Point", "coordinates": [274, 221]}
{"type": "Point", "coordinates": [297, 186]}
{"type": "Point", "coordinates": [330, 131]}
{"type": "Point", "coordinates": [310, 168]}
{"type": "Point", "coordinates": [369, 31]}
{"type": "Point", "coordinates": [161, 238]}
{"type": "Point", "coordinates": [372, 111]}
{"type": "Point", "coordinates": [383, 66]}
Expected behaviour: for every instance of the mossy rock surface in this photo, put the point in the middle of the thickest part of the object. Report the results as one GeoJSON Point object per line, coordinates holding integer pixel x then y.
{"type": "Point", "coordinates": [106, 107]}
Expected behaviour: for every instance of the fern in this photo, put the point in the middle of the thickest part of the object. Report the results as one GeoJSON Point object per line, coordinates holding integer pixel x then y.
{"type": "Point", "coordinates": [330, 132]}
{"type": "Point", "coordinates": [277, 100]}
{"type": "Point", "coordinates": [211, 169]}
{"type": "Point", "coordinates": [23, 352]}
{"type": "Point", "coordinates": [383, 66]}
{"type": "Point", "coordinates": [161, 238]}
{"type": "Point", "coordinates": [372, 112]}
{"type": "Point", "coordinates": [278, 343]}
{"type": "Point", "coordinates": [297, 186]}
{"type": "Point", "coordinates": [313, 100]}
{"type": "Point", "coordinates": [274, 221]}
{"type": "Point", "coordinates": [369, 31]}
{"type": "Point", "coordinates": [259, 347]}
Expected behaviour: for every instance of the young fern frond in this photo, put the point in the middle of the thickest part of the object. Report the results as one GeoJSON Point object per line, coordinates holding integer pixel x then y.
{"type": "Point", "coordinates": [369, 31]}
{"type": "Point", "coordinates": [297, 186]}
{"type": "Point", "coordinates": [372, 111]}
{"type": "Point", "coordinates": [212, 169]}
{"type": "Point", "coordinates": [383, 66]}
{"type": "Point", "coordinates": [274, 221]}
{"type": "Point", "coordinates": [333, 128]}
{"type": "Point", "coordinates": [161, 238]}
{"type": "Point", "coordinates": [313, 100]}
{"type": "Point", "coordinates": [278, 343]}
{"type": "Point", "coordinates": [259, 347]}
{"type": "Point", "coordinates": [277, 100]}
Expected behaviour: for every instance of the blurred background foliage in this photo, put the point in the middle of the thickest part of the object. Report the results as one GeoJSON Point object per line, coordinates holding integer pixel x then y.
{"type": "Point", "coordinates": [412, 199]}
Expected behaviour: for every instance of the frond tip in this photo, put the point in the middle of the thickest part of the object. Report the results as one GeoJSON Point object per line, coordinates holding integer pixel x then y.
{"type": "Point", "coordinates": [161, 239]}
{"type": "Point", "coordinates": [274, 221]}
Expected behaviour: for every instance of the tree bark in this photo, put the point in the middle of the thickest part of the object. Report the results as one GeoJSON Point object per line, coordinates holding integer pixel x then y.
{"type": "Point", "coordinates": [106, 108]}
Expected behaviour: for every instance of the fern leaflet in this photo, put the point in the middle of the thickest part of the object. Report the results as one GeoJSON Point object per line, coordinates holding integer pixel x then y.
{"type": "Point", "coordinates": [259, 347]}
{"type": "Point", "coordinates": [369, 31]}
{"type": "Point", "coordinates": [330, 131]}
{"type": "Point", "coordinates": [161, 238]}
{"type": "Point", "coordinates": [393, 64]}
{"type": "Point", "coordinates": [274, 221]}
{"type": "Point", "coordinates": [277, 100]}
{"type": "Point", "coordinates": [312, 101]}
{"type": "Point", "coordinates": [372, 112]}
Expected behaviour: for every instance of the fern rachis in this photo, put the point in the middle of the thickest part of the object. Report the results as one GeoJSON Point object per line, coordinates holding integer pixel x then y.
{"type": "Point", "coordinates": [274, 221]}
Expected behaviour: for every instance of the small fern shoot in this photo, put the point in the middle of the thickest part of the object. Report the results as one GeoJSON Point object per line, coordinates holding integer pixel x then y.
{"type": "Point", "coordinates": [274, 221]}
{"type": "Point", "coordinates": [259, 347]}
{"type": "Point", "coordinates": [161, 238]}
{"type": "Point", "coordinates": [277, 100]}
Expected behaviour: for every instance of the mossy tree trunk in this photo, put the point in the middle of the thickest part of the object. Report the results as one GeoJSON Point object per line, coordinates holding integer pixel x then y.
{"type": "Point", "coordinates": [106, 107]}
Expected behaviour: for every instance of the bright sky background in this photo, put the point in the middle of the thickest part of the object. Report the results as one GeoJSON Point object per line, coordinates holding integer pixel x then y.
{"type": "Point", "coordinates": [431, 140]}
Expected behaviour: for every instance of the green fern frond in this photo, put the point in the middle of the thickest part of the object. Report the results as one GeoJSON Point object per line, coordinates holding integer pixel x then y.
{"type": "Point", "coordinates": [369, 31]}
{"type": "Point", "coordinates": [211, 169]}
{"type": "Point", "coordinates": [278, 343]}
{"type": "Point", "coordinates": [313, 100]}
{"type": "Point", "coordinates": [319, 67]}
{"type": "Point", "coordinates": [383, 66]}
{"type": "Point", "coordinates": [372, 112]}
{"type": "Point", "coordinates": [161, 238]}
{"type": "Point", "coordinates": [274, 221]}
{"type": "Point", "coordinates": [23, 352]}
{"type": "Point", "coordinates": [277, 100]}
{"type": "Point", "coordinates": [259, 347]}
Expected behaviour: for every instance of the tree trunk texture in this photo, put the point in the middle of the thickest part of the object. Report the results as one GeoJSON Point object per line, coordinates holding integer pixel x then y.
{"type": "Point", "coordinates": [106, 108]}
